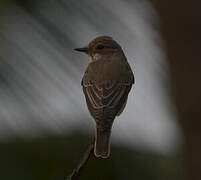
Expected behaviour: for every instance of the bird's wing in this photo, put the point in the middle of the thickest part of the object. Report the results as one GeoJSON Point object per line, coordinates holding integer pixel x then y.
{"type": "Point", "coordinates": [122, 108]}
{"type": "Point", "coordinates": [108, 96]}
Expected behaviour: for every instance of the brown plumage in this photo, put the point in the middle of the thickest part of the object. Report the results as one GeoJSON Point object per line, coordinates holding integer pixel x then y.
{"type": "Point", "coordinates": [106, 84]}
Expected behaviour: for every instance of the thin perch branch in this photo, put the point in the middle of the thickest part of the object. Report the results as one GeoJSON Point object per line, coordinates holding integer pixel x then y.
{"type": "Point", "coordinates": [83, 162]}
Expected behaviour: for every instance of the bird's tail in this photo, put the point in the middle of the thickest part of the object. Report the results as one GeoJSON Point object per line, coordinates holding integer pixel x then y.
{"type": "Point", "coordinates": [102, 143]}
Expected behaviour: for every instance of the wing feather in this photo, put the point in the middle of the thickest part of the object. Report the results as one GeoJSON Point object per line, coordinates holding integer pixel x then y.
{"type": "Point", "coordinates": [113, 98]}
{"type": "Point", "coordinates": [106, 97]}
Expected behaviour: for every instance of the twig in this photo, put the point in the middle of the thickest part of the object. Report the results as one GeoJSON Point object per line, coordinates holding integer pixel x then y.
{"type": "Point", "coordinates": [77, 171]}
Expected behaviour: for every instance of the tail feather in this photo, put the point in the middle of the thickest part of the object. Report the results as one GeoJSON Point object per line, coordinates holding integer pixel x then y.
{"type": "Point", "coordinates": [102, 143]}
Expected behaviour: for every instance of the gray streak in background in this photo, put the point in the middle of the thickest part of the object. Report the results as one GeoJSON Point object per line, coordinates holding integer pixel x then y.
{"type": "Point", "coordinates": [40, 73]}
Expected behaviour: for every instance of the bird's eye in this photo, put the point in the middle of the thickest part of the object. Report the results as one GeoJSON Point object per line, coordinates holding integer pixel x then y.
{"type": "Point", "coordinates": [100, 46]}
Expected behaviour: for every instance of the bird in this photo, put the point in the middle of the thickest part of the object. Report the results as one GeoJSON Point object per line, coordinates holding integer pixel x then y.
{"type": "Point", "coordinates": [106, 84]}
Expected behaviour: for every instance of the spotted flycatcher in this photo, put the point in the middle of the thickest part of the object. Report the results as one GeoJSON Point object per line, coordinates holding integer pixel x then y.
{"type": "Point", "coordinates": [106, 84]}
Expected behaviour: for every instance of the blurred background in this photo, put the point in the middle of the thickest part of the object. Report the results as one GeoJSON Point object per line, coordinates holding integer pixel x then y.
{"type": "Point", "coordinates": [44, 123]}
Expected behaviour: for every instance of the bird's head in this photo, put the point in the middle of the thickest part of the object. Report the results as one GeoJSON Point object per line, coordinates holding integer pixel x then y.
{"type": "Point", "coordinates": [103, 45]}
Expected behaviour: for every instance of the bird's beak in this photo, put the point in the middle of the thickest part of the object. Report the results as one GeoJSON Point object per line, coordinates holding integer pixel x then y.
{"type": "Point", "coordinates": [84, 49]}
